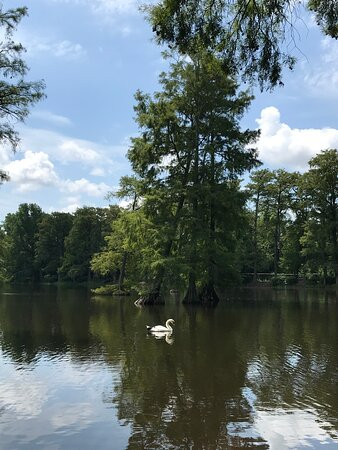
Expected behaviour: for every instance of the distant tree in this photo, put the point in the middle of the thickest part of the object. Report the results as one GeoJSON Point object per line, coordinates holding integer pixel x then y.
{"type": "Point", "coordinates": [280, 194]}
{"type": "Point", "coordinates": [50, 245]}
{"type": "Point", "coordinates": [130, 191]}
{"type": "Point", "coordinates": [251, 36]}
{"type": "Point", "coordinates": [85, 238]}
{"type": "Point", "coordinates": [258, 189]}
{"type": "Point", "coordinates": [130, 249]}
{"type": "Point", "coordinates": [21, 232]}
{"type": "Point", "coordinates": [3, 250]}
{"type": "Point", "coordinates": [16, 94]}
{"type": "Point", "coordinates": [292, 258]}
{"type": "Point", "coordinates": [320, 238]}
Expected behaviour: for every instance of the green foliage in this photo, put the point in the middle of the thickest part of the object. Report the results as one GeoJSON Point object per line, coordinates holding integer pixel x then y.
{"type": "Point", "coordinates": [326, 14]}
{"type": "Point", "coordinates": [111, 289]}
{"type": "Point", "coordinates": [50, 246]}
{"type": "Point", "coordinates": [296, 220]}
{"type": "Point", "coordinates": [251, 37]}
{"type": "Point", "coordinates": [273, 194]}
{"type": "Point", "coordinates": [131, 234]}
{"type": "Point", "coordinates": [3, 252]}
{"type": "Point", "coordinates": [189, 155]}
{"type": "Point", "coordinates": [21, 231]}
{"type": "Point", "coordinates": [175, 227]}
{"type": "Point", "coordinates": [16, 94]}
{"type": "Point", "coordinates": [85, 238]}
{"type": "Point", "coordinates": [320, 232]}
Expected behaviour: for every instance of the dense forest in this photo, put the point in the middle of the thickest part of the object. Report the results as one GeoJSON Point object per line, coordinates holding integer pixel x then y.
{"type": "Point", "coordinates": [282, 223]}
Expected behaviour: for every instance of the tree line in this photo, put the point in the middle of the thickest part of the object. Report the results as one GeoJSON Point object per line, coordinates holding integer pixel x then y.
{"type": "Point", "coordinates": [37, 246]}
{"type": "Point", "coordinates": [279, 222]}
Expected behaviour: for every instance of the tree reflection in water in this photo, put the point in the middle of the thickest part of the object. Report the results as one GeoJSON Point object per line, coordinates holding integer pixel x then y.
{"type": "Point", "coordinates": [231, 378]}
{"type": "Point", "coordinates": [191, 395]}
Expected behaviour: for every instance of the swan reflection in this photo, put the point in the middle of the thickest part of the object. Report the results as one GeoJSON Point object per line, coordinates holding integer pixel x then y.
{"type": "Point", "coordinates": [169, 338]}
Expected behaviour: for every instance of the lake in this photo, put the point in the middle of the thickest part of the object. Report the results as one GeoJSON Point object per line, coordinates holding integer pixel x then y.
{"type": "Point", "coordinates": [78, 372]}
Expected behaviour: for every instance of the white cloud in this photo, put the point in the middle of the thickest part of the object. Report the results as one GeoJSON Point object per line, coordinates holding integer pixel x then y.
{"type": "Point", "coordinates": [322, 80]}
{"type": "Point", "coordinates": [52, 118]}
{"type": "Point", "coordinates": [71, 208]}
{"type": "Point", "coordinates": [84, 186]}
{"type": "Point", "coordinates": [282, 146]}
{"type": "Point", "coordinates": [23, 394]}
{"type": "Point", "coordinates": [64, 165]}
{"type": "Point", "coordinates": [71, 150]}
{"type": "Point", "coordinates": [113, 6]}
{"type": "Point", "coordinates": [72, 414]}
{"type": "Point", "coordinates": [60, 49]}
{"type": "Point", "coordinates": [33, 171]}
{"type": "Point", "coordinates": [66, 150]}
{"type": "Point", "coordinates": [292, 429]}
{"type": "Point", "coordinates": [104, 7]}
{"type": "Point", "coordinates": [125, 204]}
{"type": "Point", "coordinates": [283, 428]}
{"type": "Point", "coordinates": [98, 172]}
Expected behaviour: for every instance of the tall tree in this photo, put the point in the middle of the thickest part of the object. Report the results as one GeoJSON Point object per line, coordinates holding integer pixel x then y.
{"type": "Point", "coordinates": [85, 238]}
{"type": "Point", "coordinates": [280, 193]}
{"type": "Point", "coordinates": [292, 259]}
{"type": "Point", "coordinates": [16, 94]}
{"type": "Point", "coordinates": [120, 251]}
{"type": "Point", "coordinates": [320, 239]}
{"type": "Point", "coordinates": [251, 36]}
{"type": "Point", "coordinates": [21, 229]}
{"type": "Point", "coordinates": [130, 250]}
{"type": "Point", "coordinates": [130, 191]}
{"type": "Point", "coordinates": [190, 149]}
{"type": "Point", "coordinates": [257, 189]}
{"type": "Point", "coordinates": [50, 246]}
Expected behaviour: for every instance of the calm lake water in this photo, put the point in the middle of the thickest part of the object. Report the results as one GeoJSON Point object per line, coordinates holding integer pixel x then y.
{"type": "Point", "coordinates": [78, 372]}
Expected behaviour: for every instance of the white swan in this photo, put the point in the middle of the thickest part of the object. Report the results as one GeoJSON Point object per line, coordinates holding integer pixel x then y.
{"type": "Point", "coordinates": [161, 328]}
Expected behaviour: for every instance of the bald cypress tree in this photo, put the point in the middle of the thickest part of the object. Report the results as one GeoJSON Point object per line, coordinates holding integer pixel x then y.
{"type": "Point", "coordinates": [190, 152]}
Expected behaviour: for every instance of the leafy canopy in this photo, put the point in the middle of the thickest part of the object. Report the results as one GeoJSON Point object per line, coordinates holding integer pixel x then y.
{"type": "Point", "coordinates": [252, 36]}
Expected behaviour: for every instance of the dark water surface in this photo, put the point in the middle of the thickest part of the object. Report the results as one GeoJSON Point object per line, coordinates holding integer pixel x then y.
{"type": "Point", "coordinates": [258, 371]}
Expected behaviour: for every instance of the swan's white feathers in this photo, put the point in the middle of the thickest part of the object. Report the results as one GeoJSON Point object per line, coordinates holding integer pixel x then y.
{"type": "Point", "coordinates": [162, 329]}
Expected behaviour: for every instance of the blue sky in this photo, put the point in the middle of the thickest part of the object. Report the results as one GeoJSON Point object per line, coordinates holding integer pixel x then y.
{"type": "Point", "coordinates": [93, 56]}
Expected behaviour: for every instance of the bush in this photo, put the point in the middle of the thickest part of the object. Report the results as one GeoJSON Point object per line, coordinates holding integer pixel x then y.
{"type": "Point", "coordinates": [110, 289]}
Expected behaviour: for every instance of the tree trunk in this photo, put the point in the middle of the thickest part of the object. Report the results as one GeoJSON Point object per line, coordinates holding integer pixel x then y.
{"type": "Point", "coordinates": [255, 239]}
{"type": "Point", "coordinates": [152, 298]}
{"type": "Point", "coordinates": [123, 271]}
{"type": "Point", "coordinates": [334, 238]}
{"type": "Point", "coordinates": [191, 297]}
{"type": "Point", "coordinates": [325, 274]}
{"type": "Point", "coordinates": [208, 296]}
{"type": "Point", "coordinates": [277, 238]}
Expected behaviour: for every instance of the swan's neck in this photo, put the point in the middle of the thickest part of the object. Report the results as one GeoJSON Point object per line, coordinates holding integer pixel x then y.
{"type": "Point", "coordinates": [167, 325]}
